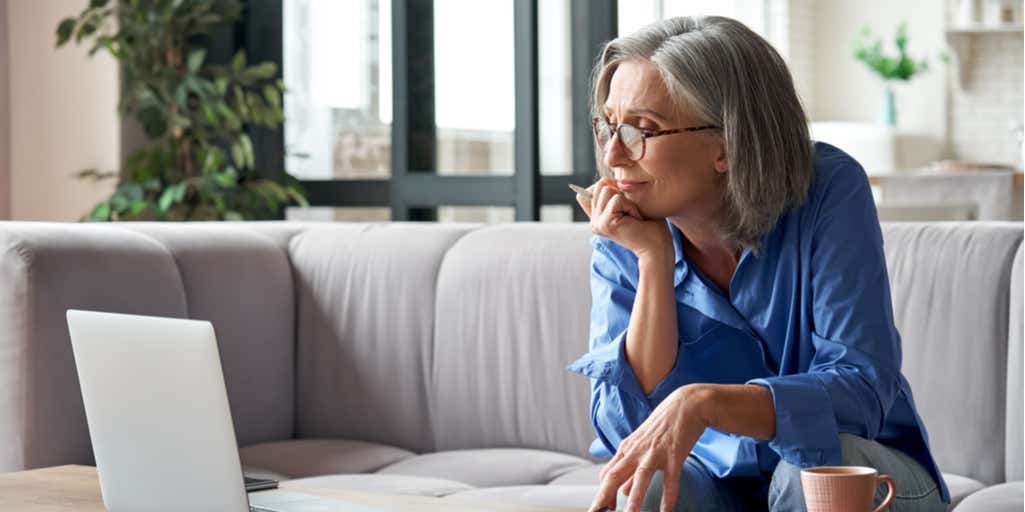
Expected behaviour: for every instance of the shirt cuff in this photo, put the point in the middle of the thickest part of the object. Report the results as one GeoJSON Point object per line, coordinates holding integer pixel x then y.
{"type": "Point", "coordinates": [608, 363]}
{"type": "Point", "coordinates": [806, 430]}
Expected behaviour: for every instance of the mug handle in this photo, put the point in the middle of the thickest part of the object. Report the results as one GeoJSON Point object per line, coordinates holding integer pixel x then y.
{"type": "Point", "coordinates": [889, 495]}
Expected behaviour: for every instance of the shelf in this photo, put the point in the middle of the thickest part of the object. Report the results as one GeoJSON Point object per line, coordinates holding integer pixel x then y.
{"type": "Point", "coordinates": [961, 39]}
{"type": "Point", "coordinates": [978, 28]}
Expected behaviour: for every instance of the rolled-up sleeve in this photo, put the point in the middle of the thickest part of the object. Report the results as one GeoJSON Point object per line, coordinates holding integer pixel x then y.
{"type": "Point", "coordinates": [852, 374]}
{"type": "Point", "coordinates": [618, 403]}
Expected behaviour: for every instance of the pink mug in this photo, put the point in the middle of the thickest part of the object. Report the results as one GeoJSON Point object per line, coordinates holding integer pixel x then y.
{"type": "Point", "coordinates": [844, 489]}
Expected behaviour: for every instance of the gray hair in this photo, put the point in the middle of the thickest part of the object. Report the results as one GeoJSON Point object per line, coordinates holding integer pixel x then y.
{"type": "Point", "coordinates": [727, 75]}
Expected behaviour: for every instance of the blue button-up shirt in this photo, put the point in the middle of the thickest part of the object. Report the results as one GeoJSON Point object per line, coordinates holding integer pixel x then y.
{"type": "Point", "coordinates": [809, 317]}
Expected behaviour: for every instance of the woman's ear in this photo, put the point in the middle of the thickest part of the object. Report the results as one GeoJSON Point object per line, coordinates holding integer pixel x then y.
{"type": "Point", "coordinates": [721, 164]}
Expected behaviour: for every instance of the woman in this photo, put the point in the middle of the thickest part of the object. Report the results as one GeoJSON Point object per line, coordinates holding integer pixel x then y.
{"type": "Point", "coordinates": [741, 323]}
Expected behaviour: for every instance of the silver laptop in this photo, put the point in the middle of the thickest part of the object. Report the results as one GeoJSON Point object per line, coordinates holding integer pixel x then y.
{"type": "Point", "coordinates": [159, 421]}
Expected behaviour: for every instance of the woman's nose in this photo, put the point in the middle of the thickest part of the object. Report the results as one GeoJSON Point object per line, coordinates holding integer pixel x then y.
{"type": "Point", "coordinates": [615, 154]}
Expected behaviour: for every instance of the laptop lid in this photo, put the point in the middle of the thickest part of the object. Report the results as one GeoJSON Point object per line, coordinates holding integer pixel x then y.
{"type": "Point", "coordinates": [158, 413]}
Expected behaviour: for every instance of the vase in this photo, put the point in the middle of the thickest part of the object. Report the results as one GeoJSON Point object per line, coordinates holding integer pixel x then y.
{"type": "Point", "coordinates": [889, 113]}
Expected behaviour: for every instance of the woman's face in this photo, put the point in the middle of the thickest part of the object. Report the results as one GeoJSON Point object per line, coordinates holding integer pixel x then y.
{"type": "Point", "coordinates": [680, 172]}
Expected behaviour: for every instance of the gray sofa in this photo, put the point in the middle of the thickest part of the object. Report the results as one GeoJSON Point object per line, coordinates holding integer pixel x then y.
{"type": "Point", "coordinates": [430, 358]}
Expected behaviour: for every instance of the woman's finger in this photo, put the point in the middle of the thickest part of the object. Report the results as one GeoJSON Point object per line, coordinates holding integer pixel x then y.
{"type": "Point", "coordinates": [585, 204]}
{"type": "Point", "coordinates": [641, 480]}
{"type": "Point", "coordinates": [620, 453]}
{"type": "Point", "coordinates": [605, 193]}
{"type": "Point", "coordinates": [610, 484]}
{"type": "Point", "coordinates": [670, 487]}
{"type": "Point", "coordinates": [625, 488]}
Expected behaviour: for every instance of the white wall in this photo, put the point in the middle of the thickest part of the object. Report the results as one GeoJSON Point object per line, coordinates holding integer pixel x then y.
{"type": "Point", "coordinates": [5, 151]}
{"type": "Point", "coordinates": [63, 115]}
{"type": "Point", "coordinates": [846, 90]}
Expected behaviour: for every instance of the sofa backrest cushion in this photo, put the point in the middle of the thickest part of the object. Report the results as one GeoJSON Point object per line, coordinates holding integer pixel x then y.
{"type": "Point", "coordinates": [950, 287]}
{"type": "Point", "coordinates": [512, 311]}
{"type": "Point", "coordinates": [1015, 374]}
{"type": "Point", "coordinates": [45, 269]}
{"type": "Point", "coordinates": [366, 302]}
{"type": "Point", "coordinates": [240, 280]}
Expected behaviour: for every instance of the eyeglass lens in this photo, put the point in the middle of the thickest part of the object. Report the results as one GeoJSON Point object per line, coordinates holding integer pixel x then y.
{"type": "Point", "coordinates": [630, 136]}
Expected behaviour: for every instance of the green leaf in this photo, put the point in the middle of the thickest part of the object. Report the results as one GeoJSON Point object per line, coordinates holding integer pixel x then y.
{"type": "Point", "coordinates": [238, 63]}
{"type": "Point", "coordinates": [233, 215]}
{"type": "Point", "coordinates": [96, 4]}
{"type": "Point", "coordinates": [101, 212]}
{"type": "Point", "coordinates": [166, 199]}
{"type": "Point", "coordinates": [228, 178]}
{"type": "Point", "coordinates": [221, 85]}
{"type": "Point", "coordinates": [196, 58]}
{"type": "Point", "coordinates": [138, 207]}
{"type": "Point", "coordinates": [264, 71]}
{"type": "Point", "coordinates": [271, 94]}
{"type": "Point", "coordinates": [179, 192]}
{"type": "Point", "coordinates": [238, 154]}
{"type": "Point", "coordinates": [247, 150]}
{"type": "Point", "coordinates": [64, 30]}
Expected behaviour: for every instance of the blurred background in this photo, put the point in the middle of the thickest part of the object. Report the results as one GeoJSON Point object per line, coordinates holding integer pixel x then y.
{"type": "Point", "coordinates": [470, 110]}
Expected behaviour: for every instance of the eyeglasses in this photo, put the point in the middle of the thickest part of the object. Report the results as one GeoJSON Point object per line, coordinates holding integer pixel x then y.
{"type": "Point", "coordinates": [632, 137]}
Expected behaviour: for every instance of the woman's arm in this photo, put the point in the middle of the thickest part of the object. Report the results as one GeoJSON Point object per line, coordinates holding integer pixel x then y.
{"type": "Point", "coordinates": [742, 409]}
{"type": "Point", "coordinates": [651, 338]}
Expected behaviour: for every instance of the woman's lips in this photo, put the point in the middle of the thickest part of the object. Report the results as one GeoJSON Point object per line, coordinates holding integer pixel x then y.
{"type": "Point", "coordinates": [629, 184]}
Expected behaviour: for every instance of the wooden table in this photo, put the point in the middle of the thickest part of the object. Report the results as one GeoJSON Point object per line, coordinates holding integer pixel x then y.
{"type": "Point", "coordinates": [67, 488]}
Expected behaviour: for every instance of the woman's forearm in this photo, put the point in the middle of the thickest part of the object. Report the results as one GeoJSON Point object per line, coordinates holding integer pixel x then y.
{"type": "Point", "coordinates": [651, 342]}
{"type": "Point", "coordinates": [742, 409]}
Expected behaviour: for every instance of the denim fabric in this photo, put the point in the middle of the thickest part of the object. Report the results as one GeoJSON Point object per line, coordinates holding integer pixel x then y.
{"type": "Point", "coordinates": [781, 490]}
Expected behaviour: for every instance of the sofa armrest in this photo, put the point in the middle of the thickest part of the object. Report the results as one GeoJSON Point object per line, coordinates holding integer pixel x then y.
{"type": "Point", "coordinates": [45, 269]}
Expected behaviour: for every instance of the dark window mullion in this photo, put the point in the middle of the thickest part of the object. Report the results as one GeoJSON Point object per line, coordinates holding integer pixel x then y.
{"type": "Point", "coordinates": [414, 138]}
{"type": "Point", "coordinates": [593, 24]}
{"type": "Point", "coordinates": [526, 139]}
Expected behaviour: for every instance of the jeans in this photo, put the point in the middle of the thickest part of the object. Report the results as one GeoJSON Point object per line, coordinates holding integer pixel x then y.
{"type": "Point", "coordinates": [701, 491]}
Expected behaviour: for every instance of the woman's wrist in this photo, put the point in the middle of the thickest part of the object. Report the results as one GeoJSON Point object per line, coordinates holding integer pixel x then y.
{"type": "Point", "coordinates": [661, 257]}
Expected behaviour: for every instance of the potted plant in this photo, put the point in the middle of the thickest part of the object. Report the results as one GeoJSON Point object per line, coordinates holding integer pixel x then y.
{"type": "Point", "coordinates": [869, 50]}
{"type": "Point", "coordinates": [198, 163]}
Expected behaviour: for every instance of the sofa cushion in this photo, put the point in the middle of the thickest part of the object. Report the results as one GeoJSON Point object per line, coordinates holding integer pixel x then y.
{"type": "Point", "coordinates": [960, 487]}
{"type": "Point", "coordinates": [365, 298]}
{"type": "Point", "coordinates": [489, 467]}
{"type": "Point", "coordinates": [562, 496]}
{"type": "Point", "coordinates": [1014, 466]}
{"type": "Point", "coordinates": [513, 305]}
{"type": "Point", "coordinates": [299, 458]}
{"type": "Point", "coordinates": [586, 475]}
{"type": "Point", "coordinates": [241, 281]}
{"type": "Point", "coordinates": [45, 269]}
{"type": "Point", "coordinates": [950, 283]}
{"type": "Point", "coordinates": [1008, 497]}
{"type": "Point", "coordinates": [387, 484]}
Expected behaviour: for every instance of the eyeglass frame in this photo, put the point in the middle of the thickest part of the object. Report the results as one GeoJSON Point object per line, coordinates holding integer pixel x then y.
{"type": "Point", "coordinates": [645, 134]}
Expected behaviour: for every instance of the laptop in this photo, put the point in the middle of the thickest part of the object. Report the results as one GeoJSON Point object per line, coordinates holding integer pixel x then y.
{"type": "Point", "coordinates": [159, 420]}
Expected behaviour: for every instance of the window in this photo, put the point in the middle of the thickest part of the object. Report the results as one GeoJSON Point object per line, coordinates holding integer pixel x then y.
{"type": "Point", "coordinates": [634, 14]}
{"type": "Point", "coordinates": [401, 105]}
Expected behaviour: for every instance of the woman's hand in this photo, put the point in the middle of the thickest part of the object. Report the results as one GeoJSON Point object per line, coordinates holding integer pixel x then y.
{"type": "Point", "coordinates": [661, 443]}
{"type": "Point", "coordinates": [617, 218]}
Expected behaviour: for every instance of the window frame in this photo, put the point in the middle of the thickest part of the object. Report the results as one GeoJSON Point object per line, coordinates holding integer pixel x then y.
{"type": "Point", "coordinates": [416, 188]}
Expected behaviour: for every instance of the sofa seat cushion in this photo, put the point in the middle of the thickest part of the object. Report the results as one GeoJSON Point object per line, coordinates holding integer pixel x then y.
{"type": "Point", "coordinates": [587, 475]}
{"type": "Point", "coordinates": [557, 496]}
{"type": "Point", "coordinates": [492, 467]}
{"type": "Point", "coordinates": [386, 484]}
{"type": "Point", "coordinates": [960, 487]}
{"type": "Point", "coordinates": [298, 458]}
{"type": "Point", "coordinates": [1005, 497]}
